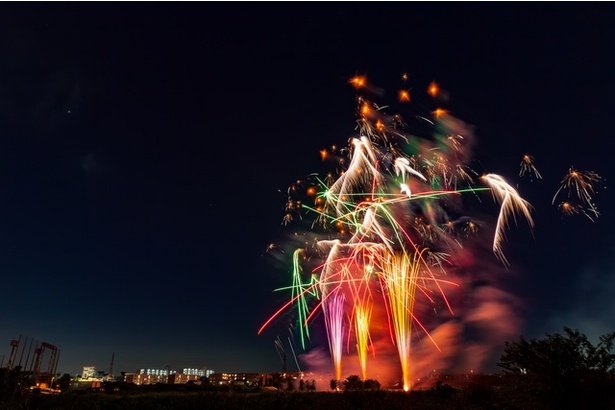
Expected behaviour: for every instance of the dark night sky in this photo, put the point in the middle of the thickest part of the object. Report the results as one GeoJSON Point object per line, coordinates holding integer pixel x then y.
{"type": "Point", "coordinates": [144, 146]}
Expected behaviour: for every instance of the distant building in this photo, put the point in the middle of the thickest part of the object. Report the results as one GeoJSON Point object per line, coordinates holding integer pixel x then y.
{"type": "Point", "coordinates": [236, 378]}
{"type": "Point", "coordinates": [153, 376]}
{"type": "Point", "coordinates": [89, 372]}
{"type": "Point", "coordinates": [144, 378]}
{"type": "Point", "coordinates": [198, 372]}
{"type": "Point", "coordinates": [149, 376]}
{"type": "Point", "coordinates": [157, 372]}
{"type": "Point", "coordinates": [88, 380]}
{"type": "Point", "coordinates": [180, 378]}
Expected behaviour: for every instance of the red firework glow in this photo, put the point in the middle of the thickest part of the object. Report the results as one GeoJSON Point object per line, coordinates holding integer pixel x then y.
{"type": "Point", "coordinates": [394, 251]}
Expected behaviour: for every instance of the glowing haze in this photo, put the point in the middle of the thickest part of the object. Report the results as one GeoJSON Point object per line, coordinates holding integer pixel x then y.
{"type": "Point", "coordinates": [393, 260]}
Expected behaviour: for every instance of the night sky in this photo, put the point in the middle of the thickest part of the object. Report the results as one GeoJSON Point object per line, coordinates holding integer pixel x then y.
{"type": "Point", "coordinates": [146, 149]}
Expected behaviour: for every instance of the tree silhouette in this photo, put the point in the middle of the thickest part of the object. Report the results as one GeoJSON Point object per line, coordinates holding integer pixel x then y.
{"type": "Point", "coordinates": [563, 369]}
{"type": "Point", "coordinates": [353, 382]}
{"type": "Point", "coordinates": [63, 382]}
{"type": "Point", "coordinates": [371, 384]}
{"type": "Point", "coordinates": [558, 355]}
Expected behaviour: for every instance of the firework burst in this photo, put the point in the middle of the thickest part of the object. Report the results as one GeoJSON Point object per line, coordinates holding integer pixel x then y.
{"type": "Point", "coordinates": [528, 167]}
{"type": "Point", "coordinates": [392, 227]}
{"type": "Point", "coordinates": [579, 188]}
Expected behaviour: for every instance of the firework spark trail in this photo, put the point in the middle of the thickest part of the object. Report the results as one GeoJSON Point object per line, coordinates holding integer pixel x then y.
{"type": "Point", "coordinates": [569, 208]}
{"type": "Point", "coordinates": [402, 166]}
{"type": "Point", "coordinates": [363, 313]}
{"type": "Point", "coordinates": [400, 279]}
{"type": "Point", "coordinates": [346, 275]}
{"type": "Point", "coordinates": [527, 167]}
{"type": "Point", "coordinates": [393, 229]}
{"type": "Point", "coordinates": [580, 183]}
{"type": "Point", "coordinates": [511, 204]}
{"type": "Point", "coordinates": [362, 299]}
{"type": "Point", "coordinates": [334, 317]}
{"type": "Point", "coordinates": [359, 170]}
{"type": "Point", "coordinates": [298, 293]}
{"type": "Point", "coordinates": [335, 278]}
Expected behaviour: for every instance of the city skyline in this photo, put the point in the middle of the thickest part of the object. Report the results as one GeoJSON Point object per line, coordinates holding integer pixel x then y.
{"type": "Point", "coordinates": [27, 353]}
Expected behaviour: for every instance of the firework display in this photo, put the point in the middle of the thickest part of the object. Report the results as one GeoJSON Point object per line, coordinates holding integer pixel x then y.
{"type": "Point", "coordinates": [388, 227]}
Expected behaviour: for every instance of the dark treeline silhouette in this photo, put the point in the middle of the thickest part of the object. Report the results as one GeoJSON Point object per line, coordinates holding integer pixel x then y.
{"type": "Point", "coordinates": [561, 371]}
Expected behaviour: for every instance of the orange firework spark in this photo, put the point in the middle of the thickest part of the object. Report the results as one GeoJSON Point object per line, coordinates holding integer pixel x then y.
{"type": "Point", "coordinates": [358, 81]}
{"type": "Point", "coordinates": [528, 167]}
{"type": "Point", "coordinates": [323, 154]}
{"type": "Point", "coordinates": [365, 109]}
{"type": "Point", "coordinates": [403, 96]}
{"type": "Point", "coordinates": [570, 208]}
{"type": "Point", "coordinates": [433, 89]}
{"type": "Point", "coordinates": [438, 112]}
{"type": "Point", "coordinates": [580, 184]}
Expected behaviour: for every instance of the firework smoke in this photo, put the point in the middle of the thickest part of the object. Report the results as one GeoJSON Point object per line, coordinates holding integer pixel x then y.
{"type": "Point", "coordinates": [392, 253]}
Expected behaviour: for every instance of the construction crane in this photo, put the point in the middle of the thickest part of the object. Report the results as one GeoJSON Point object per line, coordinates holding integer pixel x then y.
{"type": "Point", "coordinates": [47, 375]}
{"type": "Point", "coordinates": [110, 376]}
{"type": "Point", "coordinates": [14, 346]}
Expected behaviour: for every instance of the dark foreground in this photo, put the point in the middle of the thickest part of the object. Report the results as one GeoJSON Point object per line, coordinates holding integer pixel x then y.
{"type": "Point", "coordinates": [441, 397]}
